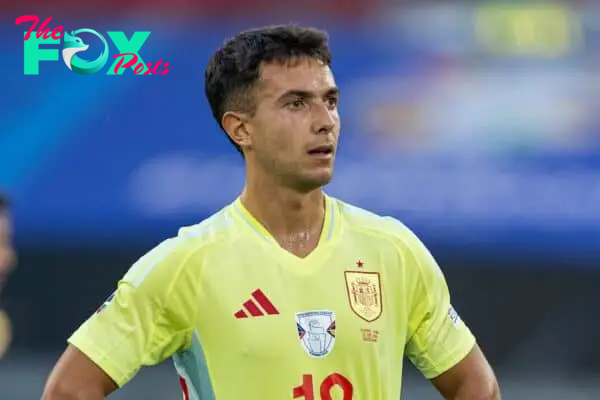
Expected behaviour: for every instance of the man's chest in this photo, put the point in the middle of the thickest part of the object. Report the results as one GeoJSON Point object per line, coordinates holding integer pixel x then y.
{"type": "Point", "coordinates": [268, 310]}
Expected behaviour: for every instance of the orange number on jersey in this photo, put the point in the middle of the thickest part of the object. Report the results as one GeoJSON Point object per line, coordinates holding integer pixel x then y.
{"type": "Point", "coordinates": [306, 390]}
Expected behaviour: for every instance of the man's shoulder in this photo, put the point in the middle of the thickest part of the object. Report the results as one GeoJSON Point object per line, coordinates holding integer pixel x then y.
{"type": "Point", "coordinates": [372, 223]}
{"type": "Point", "coordinates": [191, 240]}
{"type": "Point", "coordinates": [219, 226]}
{"type": "Point", "coordinates": [386, 229]}
{"type": "Point", "coordinates": [183, 251]}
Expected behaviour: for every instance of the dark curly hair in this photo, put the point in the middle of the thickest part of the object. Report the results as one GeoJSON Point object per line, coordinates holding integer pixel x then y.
{"type": "Point", "coordinates": [234, 69]}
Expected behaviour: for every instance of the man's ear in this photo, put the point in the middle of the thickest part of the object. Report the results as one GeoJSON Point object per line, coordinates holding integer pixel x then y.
{"type": "Point", "coordinates": [236, 125]}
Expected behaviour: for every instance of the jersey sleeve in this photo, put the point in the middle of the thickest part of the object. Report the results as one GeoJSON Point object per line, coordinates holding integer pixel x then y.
{"type": "Point", "coordinates": [438, 338]}
{"type": "Point", "coordinates": [148, 317]}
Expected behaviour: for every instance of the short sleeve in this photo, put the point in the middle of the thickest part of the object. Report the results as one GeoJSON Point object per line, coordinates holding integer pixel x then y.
{"type": "Point", "coordinates": [438, 338]}
{"type": "Point", "coordinates": [148, 317]}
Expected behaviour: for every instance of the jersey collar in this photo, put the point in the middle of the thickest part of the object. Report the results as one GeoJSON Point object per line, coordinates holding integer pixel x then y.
{"type": "Point", "coordinates": [330, 227]}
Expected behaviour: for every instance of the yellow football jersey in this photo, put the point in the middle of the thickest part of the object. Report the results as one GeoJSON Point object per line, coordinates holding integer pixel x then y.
{"type": "Point", "coordinates": [245, 319]}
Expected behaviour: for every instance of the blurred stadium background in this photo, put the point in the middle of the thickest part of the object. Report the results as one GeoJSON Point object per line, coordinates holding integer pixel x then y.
{"type": "Point", "coordinates": [476, 123]}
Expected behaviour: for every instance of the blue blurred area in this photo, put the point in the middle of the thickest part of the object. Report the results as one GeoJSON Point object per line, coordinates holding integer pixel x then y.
{"type": "Point", "coordinates": [475, 123]}
{"type": "Point", "coordinates": [470, 141]}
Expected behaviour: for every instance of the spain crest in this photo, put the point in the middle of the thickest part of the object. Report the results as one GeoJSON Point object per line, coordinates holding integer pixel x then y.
{"type": "Point", "coordinates": [364, 294]}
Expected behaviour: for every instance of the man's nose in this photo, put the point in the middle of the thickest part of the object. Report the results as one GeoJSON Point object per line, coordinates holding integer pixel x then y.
{"type": "Point", "coordinates": [325, 119]}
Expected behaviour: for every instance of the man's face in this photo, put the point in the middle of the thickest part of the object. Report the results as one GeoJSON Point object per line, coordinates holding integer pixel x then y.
{"type": "Point", "coordinates": [294, 131]}
{"type": "Point", "coordinates": [7, 253]}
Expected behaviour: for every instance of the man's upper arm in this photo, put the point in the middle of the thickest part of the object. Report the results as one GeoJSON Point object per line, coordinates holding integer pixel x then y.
{"type": "Point", "coordinates": [84, 379]}
{"type": "Point", "coordinates": [147, 319]}
{"type": "Point", "coordinates": [438, 338]}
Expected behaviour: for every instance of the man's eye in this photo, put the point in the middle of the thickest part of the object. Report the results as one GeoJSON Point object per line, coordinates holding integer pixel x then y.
{"type": "Point", "coordinates": [296, 104]}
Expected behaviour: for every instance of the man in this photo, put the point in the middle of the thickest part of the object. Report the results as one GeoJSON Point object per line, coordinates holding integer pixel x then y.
{"type": "Point", "coordinates": [286, 293]}
{"type": "Point", "coordinates": [7, 262]}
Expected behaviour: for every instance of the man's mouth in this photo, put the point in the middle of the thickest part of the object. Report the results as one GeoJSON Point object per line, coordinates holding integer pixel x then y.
{"type": "Point", "coordinates": [325, 151]}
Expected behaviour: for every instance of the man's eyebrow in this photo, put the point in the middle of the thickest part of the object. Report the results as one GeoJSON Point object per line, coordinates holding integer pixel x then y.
{"type": "Point", "coordinates": [297, 93]}
{"type": "Point", "coordinates": [334, 91]}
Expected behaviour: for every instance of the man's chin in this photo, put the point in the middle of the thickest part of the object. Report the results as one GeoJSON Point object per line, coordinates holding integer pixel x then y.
{"type": "Point", "coordinates": [316, 180]}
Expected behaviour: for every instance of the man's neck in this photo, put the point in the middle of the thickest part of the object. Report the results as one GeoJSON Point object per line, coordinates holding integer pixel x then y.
{"type": "Point", "coordinates": [283, 211]}
{"type": "Point", "coordinates": [294, 219]}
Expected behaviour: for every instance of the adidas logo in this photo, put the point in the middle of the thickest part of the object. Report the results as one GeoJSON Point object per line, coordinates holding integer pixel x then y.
{"type": "Point", "coordinates": [251, 307]}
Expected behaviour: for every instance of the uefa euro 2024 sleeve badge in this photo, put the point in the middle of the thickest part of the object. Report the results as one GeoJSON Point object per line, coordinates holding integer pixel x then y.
{"type": "Point", "coordinates": [106, 303]}
{"type": "Point", "coordinates": [316, 331]}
